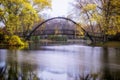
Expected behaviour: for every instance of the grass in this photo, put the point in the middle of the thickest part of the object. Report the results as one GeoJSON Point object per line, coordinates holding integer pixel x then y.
{"type": "Point", "coordinates": [108, 44]}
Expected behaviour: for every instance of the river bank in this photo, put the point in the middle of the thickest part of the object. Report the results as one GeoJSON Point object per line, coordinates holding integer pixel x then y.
{"type": "Point", "coordinates": [49, 42]}
{"type": "Point", "coordinates": [108, 44]}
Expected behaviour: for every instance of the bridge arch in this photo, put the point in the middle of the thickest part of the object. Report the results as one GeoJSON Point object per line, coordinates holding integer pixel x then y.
{"type": "Point", "coordinates": [39, 25]}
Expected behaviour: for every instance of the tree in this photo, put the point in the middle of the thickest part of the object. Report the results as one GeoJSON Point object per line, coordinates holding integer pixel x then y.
{"type": "Point", "coordinates": [20, 15]}
{"type": "Point", "coordinates": [111, 11]}
{"type": "Point", "coordinates": [102, 13]}
{"type": "Point", "coordinates": [85, 10]}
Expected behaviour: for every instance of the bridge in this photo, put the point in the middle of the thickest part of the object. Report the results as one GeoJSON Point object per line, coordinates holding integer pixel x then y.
{"type": "Point", "coordinates": [35, 32]}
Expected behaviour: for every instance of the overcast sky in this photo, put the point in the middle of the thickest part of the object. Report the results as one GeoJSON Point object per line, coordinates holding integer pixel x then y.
{"type": "Point", "coordinates": [60, 7]}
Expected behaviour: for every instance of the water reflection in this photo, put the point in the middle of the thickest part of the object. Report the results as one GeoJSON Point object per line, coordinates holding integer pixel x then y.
{"type": "Point", "coordinates": [68, 62]}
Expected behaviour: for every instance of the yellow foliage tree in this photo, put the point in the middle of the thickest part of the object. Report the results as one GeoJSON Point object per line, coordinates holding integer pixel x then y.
{"type": "Point", "coordinates": [90, 7]}
{"type": "Point", "coordinates": [20, 15]}
{"type": "Point", "coordinates": [105, 13]}
{"type": "Point", "coordinates": [111, 16]}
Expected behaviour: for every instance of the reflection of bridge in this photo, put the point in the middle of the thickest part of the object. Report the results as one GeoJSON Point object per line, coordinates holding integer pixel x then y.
{"type": "Point", "coordinates": [62, 32]}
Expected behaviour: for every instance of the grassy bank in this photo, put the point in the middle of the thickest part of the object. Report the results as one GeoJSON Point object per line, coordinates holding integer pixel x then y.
{"type": "Point", "coordinates": [108, 44]}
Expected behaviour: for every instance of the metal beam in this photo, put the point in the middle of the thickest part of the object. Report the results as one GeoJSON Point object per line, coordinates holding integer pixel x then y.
{"type": "Point", "coordinates": [39, 25]}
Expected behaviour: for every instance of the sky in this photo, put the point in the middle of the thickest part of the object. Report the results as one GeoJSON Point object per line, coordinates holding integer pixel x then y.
{"type": "Point", "coordinates": [60, 7]}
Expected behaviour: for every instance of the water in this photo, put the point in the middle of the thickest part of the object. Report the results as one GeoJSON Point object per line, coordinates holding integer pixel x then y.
{"type": "Point", "coordinates": [60, 62]}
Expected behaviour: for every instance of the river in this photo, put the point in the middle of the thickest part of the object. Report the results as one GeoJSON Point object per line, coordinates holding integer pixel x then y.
{"type": "Point", "coordinates": [60, 62]}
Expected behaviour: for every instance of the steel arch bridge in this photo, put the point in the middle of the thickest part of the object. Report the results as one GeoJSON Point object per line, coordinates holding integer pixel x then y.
{"type": "Point", "coordinates": [40, 24]}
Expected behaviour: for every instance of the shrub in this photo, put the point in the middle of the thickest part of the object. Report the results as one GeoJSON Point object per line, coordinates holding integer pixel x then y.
{"type": "Point", "coordinates": [15, 41]}
{"type": "Point", "coordinates": [57, 38]}
{"type": "Point", "coordinates": [35, 38]}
